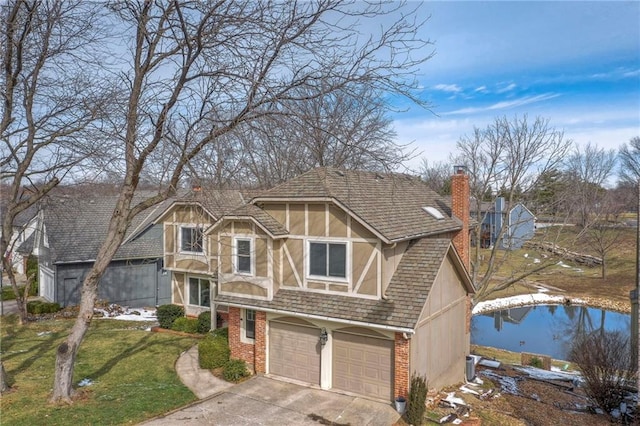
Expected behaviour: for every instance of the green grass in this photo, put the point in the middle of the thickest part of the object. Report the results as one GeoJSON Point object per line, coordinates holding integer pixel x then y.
{"type": "Point", "coordinates": [132, 371]}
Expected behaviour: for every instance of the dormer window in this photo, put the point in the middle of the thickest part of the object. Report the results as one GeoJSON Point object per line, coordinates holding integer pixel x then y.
{"type": "Point", "coordinates": [328, 259]}
{"type": "Point", "coordinates": [191, 239]}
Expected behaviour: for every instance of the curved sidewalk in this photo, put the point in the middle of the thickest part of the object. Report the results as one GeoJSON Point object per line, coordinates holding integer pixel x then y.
{"type": "Point", "coordinates": [201, 382]}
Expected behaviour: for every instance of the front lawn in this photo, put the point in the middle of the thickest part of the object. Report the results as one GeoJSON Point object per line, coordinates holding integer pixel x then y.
{"type": "Point", "coordinates": [129, 371]}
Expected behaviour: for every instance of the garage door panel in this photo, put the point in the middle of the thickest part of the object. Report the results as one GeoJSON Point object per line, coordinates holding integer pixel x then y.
{"type": "Point", "coordinates": [363, 365]}
{"type": "Point", "coordinates": [294, 352]}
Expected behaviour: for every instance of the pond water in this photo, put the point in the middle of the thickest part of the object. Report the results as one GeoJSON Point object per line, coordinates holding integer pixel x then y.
{"type": "Point", "coordinates": [543, 329]}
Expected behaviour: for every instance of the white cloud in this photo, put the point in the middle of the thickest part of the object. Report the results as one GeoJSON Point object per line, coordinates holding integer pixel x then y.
{"type": "Point", "coordinates": [453, 88]}
{"type": "Point", "coordinates": [507, 88]}
{"type": "Point", "coordinates": [504, 104]}
{"type": "Point", "coordinates": [481, 89]}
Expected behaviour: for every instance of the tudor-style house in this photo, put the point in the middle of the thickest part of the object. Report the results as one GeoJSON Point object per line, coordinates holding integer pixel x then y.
{"type": "Point", "coordinates": [339, 279]}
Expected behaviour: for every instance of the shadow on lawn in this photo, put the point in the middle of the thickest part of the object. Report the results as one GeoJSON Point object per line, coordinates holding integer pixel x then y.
{"type": "Point", "coordinates": [147, 342]}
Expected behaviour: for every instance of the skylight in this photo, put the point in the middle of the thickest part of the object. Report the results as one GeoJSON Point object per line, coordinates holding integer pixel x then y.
{"type": "Point", "coordinates": [433, 212]}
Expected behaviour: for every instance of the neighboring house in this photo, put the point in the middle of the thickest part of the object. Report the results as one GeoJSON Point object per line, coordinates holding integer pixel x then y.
{"type": "Point", "coordinates": [69, 233]}
{"type": "Point", "coordinates": [518, 220]}
{"type": "Point", "coordinates": [344, 280]}
{"type": "Point", "coordinates": [23, 227]}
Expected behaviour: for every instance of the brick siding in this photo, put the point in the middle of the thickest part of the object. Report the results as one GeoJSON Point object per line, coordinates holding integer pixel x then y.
{"type": "Point", "coordinates": [239, 349]}
{"type": "Point", "coordinates": [261, 342]}
{"type": "Point", "coordinates": [401, 366]}
{"type": "Point", "coordinates": [460, 209]}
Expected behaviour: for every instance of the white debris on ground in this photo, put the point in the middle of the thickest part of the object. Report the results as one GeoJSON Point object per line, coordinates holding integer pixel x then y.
{"type": "Point", "coordinates": [507, 384]}
{"type": "Point", "coordinates": [522, 300]}
{"type": "Point", "coordinates": [126, 314]}
{"type": "Point", "coordinates": [85, 382]}
{"type": "Point", "coordinates": [542, 374]}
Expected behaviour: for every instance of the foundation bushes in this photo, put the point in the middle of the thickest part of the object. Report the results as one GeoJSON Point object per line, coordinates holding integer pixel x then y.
{"type": "Point", "coordinates": [185, 325]}
{"type": "Point", "coordinates": [167, 314]}
{"type": "Point", "coordinates": [417, 398]}
{"type": "Point", "coordinates": [213, 350]}
{"type": "Point", "coordinates": [204, 322]}
{"type": "Point", "coordinates": [235, 370]}
{"type": "Point", "coordinates": [37, 307]}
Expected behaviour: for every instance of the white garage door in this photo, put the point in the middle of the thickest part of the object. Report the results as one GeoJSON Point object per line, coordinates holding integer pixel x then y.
{"type": "Point", "coordinates": [363, 365]}
{"type": "Point", "coordinates": [294, 352]}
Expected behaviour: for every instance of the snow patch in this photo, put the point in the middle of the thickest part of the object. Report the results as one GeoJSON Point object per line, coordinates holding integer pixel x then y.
{"type": "Point", "coordinates": [521, 300]}
{"type": "Point", "coordinates": [85, 382]}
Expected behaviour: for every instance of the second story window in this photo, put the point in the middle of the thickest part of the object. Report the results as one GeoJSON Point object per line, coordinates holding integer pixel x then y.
{"type": "Point", "coordinates": [243, 255]}
{"type": "Point", "coordinates": [191, 239]}
{"type": "Point", "coordinates": [328, 259]}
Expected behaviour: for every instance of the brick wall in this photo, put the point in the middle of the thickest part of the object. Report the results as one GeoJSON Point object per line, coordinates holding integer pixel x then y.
{"type": "Point", "coordinates": [239, 350]}
{"type": "Point", "coordinates": [401, 366]}
{"type": "Point", "coordinates": [261, 342]}
{"type": "Point", "coordinates": [460, 209]}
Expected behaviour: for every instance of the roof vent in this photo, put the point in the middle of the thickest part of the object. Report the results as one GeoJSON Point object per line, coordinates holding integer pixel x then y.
{"type": "Point", "coordinates": [433, 212]}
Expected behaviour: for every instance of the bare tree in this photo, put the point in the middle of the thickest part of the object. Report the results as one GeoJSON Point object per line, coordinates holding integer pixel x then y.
{"type": "Point", "coordinates": [588, 170]}
{"type": "Point", "coordinates": [437, 175]}
{"type": "Point", "coordinates": [50, 101]}
{"type": "Point", "coordinates": [506, 158]}
{"type": "Point", "coordinates": [200, 69]}
{"type": "Point", "coordinates": [346, 128]}
{"type": "Point", "coordinates": [604, 232]}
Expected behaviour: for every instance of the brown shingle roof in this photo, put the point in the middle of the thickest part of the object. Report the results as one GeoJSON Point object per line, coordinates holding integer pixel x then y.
{"type": "Point", "coordinates": [407, 293]}
{"type": "Point", "coordinates": [268, 222]}
{"type": "Point", "coordinates": [391, 204]}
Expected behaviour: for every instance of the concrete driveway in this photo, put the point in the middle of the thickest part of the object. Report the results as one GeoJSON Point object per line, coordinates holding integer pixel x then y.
{"type": "Point", "coordinates": [265, 401]}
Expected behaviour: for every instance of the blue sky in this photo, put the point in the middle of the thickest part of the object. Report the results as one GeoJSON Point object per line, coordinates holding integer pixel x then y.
{"type": "Point", "coordinates": [575, 63]}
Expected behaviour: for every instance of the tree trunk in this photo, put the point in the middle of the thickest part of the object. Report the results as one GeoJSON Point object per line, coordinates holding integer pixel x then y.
{"type": "Point", "coordinates": [67, 350]}
{"type": "Point", "coordinates": [4, 385]}
{"type": "Point", "coordinates": [21, 299]}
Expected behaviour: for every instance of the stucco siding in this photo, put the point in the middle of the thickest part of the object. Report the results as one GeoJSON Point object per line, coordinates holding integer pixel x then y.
{"type": "Point", "coordinates": [440, 343]}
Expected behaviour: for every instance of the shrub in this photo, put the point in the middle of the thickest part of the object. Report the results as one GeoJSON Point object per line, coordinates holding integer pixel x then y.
{"type": "Point", "coordinates": [536, 362]}
{"type": "Point", "coordinates": [204, 322]}
{"type": "Point", "coordinates": [213, 350]}
{"type": "Point", "coordinates": [168, 313]}
{"type": "Point", "coordinates": [606, 362]}
{"type": "Point", "coordinates": [32, 273]}
{"type": "Point", "coordinates": [224, 332]}
{"type": "Point", "coordinates": [417, 399]}
{"type": "Point", "coordinates": [184, 324]}
{"type": "Point", "coordinates": [235, 370]}
{"type": "Point", "coordinates": [39, 307]}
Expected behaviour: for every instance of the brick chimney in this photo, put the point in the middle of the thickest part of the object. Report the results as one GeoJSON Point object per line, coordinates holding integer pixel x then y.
{"type": "Point", "coordinates": [460, 209]}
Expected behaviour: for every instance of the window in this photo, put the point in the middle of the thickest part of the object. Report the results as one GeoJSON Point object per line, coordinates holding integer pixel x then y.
{"type": "Point", "coordinates": [249, 323]}
{"type": "Point", "coordinates": [328, 259]}
{"type": "Point", "coordinates": [243, 256]}
{"type": "Point", "coordinates": [191, 239]}
{"type": "Point", "coordinates": [199, 290]}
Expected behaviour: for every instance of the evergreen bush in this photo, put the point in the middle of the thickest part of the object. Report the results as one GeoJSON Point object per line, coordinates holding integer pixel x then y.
{"type": "Point", "coordinates": [417, 399]}
{"type": "Point", "coordinates": [235, 370]}
{"type": "Point", "coordinates": [186, 325]}
{"type": "Point", "coordinates": [204, 322]}
{"type": "Point", "coordinates": [37, 307]}
{"type": "Point", "coordinates": [166, 314]}
{"type": "Point", "coordinates": [213, 350]}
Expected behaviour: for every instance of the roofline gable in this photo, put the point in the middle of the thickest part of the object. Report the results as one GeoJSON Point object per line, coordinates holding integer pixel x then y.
{"type": "Point", "coordinates": [224, 218]}
{"type": "Point", "coordinates": [175, 204]}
